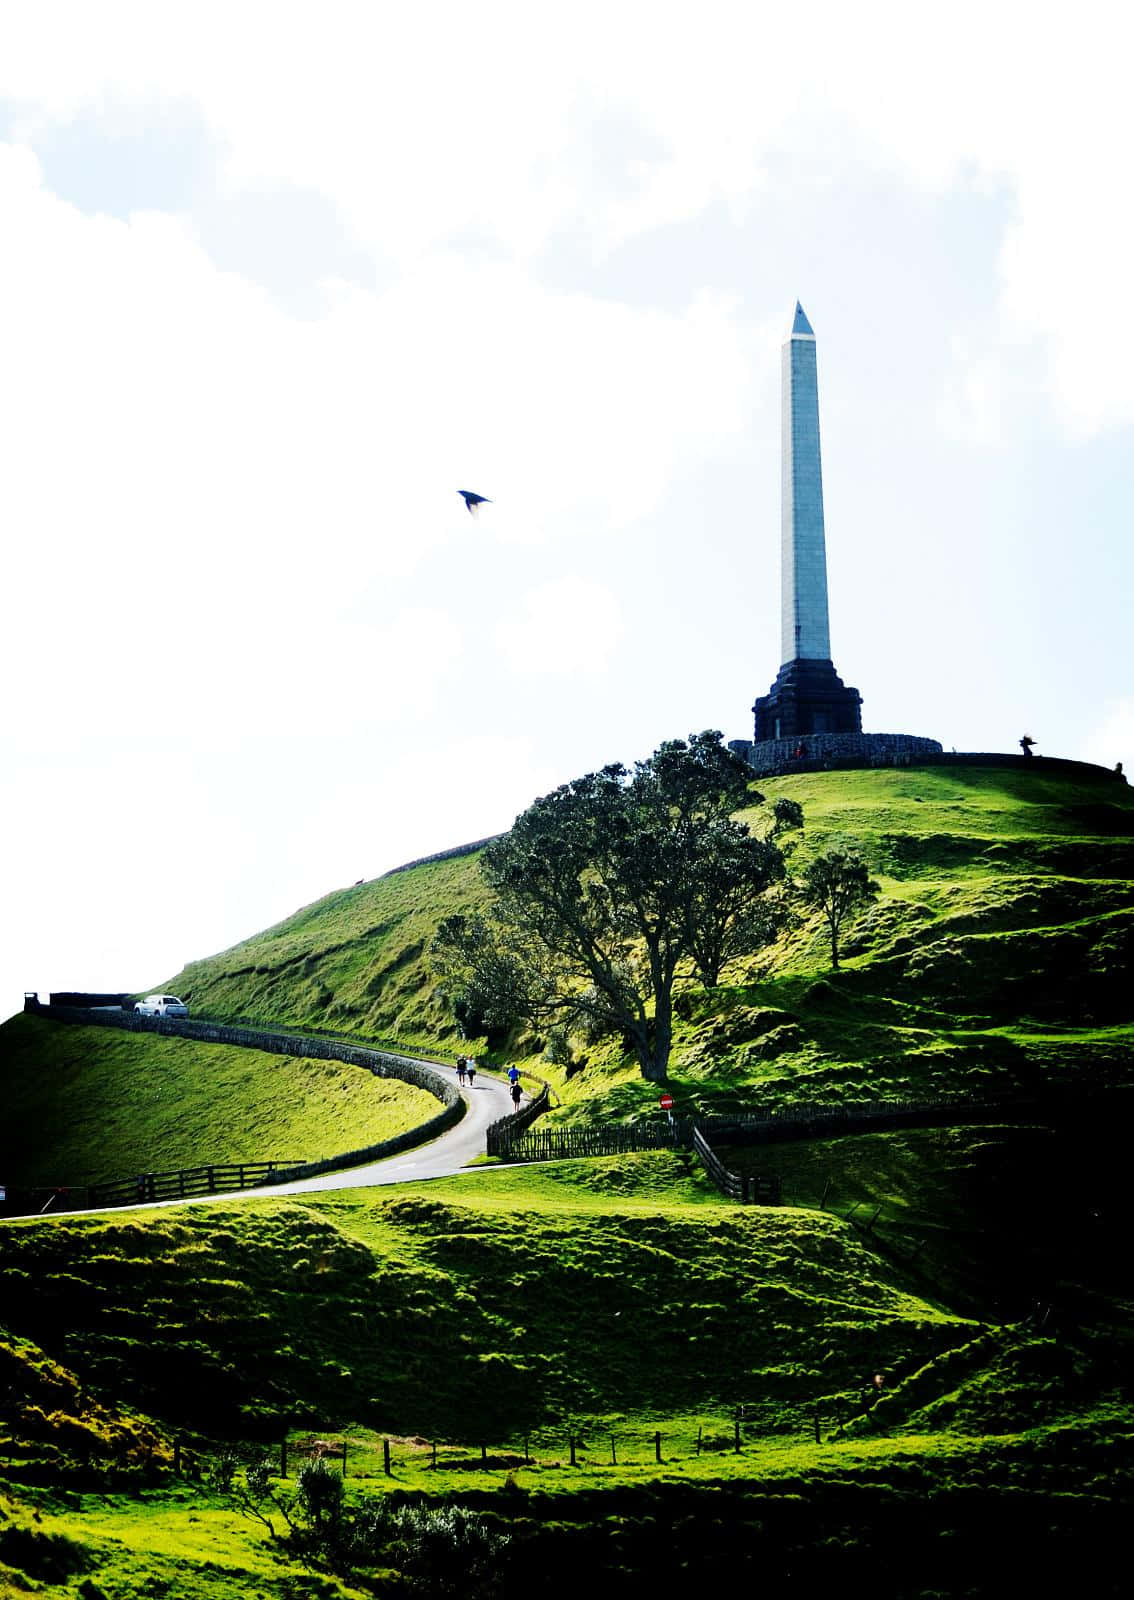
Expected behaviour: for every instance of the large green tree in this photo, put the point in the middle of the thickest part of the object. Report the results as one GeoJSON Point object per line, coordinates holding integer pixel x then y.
{"type": "Point", "coordinates": [607, 887]}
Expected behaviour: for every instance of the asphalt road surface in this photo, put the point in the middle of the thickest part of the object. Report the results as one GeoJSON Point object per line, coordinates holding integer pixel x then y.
{"type": "Point", "coordinates": [487, 1102]}
{"type": "Point", "coordinates": [448, 1153]}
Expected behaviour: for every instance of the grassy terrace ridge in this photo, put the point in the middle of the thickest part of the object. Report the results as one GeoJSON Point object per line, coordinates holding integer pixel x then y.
{"type": "Point", "coordinates": [606, 1298]}
{"type": "Point", "coordinates": [86, 1104]}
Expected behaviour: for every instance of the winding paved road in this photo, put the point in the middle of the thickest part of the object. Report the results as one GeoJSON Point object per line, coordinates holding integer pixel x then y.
{"type": "Point", "coordinates": [486, 1103]}
{"type": "Point", "coordinates": [448, 1153]}
{"type": "Point", "coordinates": [452, 1150]}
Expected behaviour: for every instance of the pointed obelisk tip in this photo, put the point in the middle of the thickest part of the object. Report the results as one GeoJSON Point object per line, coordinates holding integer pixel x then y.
{"type": "Point", "coordinates": [801, 324]}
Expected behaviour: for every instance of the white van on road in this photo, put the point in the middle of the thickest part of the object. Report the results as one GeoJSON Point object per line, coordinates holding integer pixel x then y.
{"type": "Point", "coordinates": [161, 1005]}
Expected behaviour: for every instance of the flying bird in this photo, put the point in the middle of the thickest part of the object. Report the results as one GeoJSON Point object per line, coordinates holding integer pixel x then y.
{"type": "Point", "coordinates": [473, 501]}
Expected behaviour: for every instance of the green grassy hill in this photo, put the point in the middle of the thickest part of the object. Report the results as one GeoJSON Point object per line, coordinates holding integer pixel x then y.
{"type": "Point", "coordinates": [86, 1104]}
{"type": "Point", "coordinates": [996, 960]}
{"type": "Point", "coordinates": [981, 1268]}
{"type": "Point", "coordinates": [353, 962]}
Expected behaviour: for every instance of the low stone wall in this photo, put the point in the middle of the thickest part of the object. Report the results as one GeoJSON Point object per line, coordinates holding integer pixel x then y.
{"type": "Point", "coordinates": [816, 751]}
{"type": "Point", "coordinates": [826, 752]}
{"type": "Point", "coordinates": [444, 855]}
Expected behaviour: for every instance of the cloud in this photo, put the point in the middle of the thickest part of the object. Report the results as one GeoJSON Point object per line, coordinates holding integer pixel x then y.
{"type": "Point", "coordinates": [424, 127]}
{"type": "Point", "coordinates": [200, 487]}
{"type": "Point", "coordinates": [568, 627]}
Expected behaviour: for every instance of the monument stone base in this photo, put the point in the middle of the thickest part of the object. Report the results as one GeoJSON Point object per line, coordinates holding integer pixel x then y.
{"type": "Point", "coordinates": [808, 697]}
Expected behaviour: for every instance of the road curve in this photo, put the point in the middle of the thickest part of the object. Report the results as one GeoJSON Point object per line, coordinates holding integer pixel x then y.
{"type": "Point", "coordinates": [487, 1102]}
{"type": "Point", "coordinates": [452, 1150]}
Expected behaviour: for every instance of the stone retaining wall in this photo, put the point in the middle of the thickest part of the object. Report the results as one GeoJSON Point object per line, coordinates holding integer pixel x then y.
{"type": "Point", "coordinates": [821, 750]}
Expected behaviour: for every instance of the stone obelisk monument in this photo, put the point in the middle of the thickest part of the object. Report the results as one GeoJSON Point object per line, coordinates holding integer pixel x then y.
{"type": "Point", "coordinates": [807, 697]}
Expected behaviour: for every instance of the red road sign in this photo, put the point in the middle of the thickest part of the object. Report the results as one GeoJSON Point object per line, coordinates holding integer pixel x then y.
{"type": "Point", "coordinates": [666, 1102]}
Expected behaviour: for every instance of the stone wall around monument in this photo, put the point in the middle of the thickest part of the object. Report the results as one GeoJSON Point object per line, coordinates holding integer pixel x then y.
{"type": "Point", "coordinates": [821, 749]}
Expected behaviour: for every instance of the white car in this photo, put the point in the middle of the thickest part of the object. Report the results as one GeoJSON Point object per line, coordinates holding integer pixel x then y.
{"type": "Point", "coordinates": [161, 1005]}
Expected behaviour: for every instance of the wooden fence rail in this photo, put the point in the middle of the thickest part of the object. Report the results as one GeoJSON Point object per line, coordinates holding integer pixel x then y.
{"type": "Point", "coordinates": [728, 1182]}
{"type": "Point", "coordinates": [185, 1182]}
{"type": "Point", "coordinates": [801, 1120]}
{"type": "Point", "coordinates": [595, 1139]}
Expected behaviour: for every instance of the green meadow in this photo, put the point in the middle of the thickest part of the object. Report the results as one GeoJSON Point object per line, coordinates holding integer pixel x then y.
{"type": "Point", "coordinates": [913, 1376]}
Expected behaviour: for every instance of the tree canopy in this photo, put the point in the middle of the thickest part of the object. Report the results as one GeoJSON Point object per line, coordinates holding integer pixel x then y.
{"type": "Point", "coordinates": [837, 883]}
{"type": "Point", "coordinates": [605, 888]}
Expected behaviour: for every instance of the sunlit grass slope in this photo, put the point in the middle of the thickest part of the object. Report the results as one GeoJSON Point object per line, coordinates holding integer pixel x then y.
{"type": "Point", "coordinates": [996, 961]}
{"type": "Point", "coordinates": [997, 956]}
{"type": "Point", "coordinates": [84, 1104]}
{"type": "Point", "coordinates": [353, 961]}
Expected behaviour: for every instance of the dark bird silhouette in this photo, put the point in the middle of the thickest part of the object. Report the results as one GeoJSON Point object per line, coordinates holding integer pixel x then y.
{"type": "Point", "coordinates": [473, 501]}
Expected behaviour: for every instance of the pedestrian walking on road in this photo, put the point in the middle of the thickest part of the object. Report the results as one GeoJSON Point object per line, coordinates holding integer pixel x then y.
{"type": "Point", "coordinates": [513, 1074]}
{"type": "Point", "coordinates": [517, 1093]}
{"type": "Point", "coordinates": [461, 1065]}
{"type": "Point", "coordinates": [471, 1070]}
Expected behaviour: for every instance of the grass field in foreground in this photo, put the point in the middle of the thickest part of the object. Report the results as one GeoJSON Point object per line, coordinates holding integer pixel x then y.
{"type": "Point", "coordinates": [599, 1299]}
{"type": "Point", "coordinates": [919, 1515]}
{"type": "Point", "coordinates": [84, 1104]}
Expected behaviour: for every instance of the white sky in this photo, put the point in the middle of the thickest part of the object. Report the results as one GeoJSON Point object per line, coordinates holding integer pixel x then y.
{"type": "Point", "coordinates": [276, 280]}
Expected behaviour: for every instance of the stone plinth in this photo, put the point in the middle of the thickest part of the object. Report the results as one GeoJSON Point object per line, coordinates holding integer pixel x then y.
{"type": "Point", "coordinates": [808, 697]}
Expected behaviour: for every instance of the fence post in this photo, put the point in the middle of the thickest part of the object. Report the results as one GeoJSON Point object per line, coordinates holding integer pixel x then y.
{"type": "Point", "coordinates": [571, 1446]}
{"type": "Point", "coordinates": [818, 1430]}
{"type": "Point", "coordinates": [386, 1457]}
{"type": "Point", "coordinates": [657, 1445]}
{"type": "Point", "coordinates": [613, 1454]}
{"type": "Point", "coordinates": [484, 1455]}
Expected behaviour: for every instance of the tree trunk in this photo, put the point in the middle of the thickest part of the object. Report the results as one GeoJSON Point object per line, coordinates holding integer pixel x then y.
{"type": "Point", "coordinates": [652, 1071]}
{"type": "Point", "coordinates": [663, 1031]}
{"type": "Point", "coordinates": [834, 948]}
